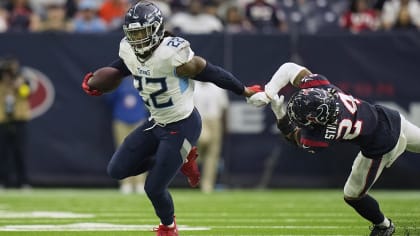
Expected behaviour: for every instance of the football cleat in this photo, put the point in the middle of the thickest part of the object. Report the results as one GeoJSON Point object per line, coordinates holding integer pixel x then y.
{"type": "Point", "coordinates": [190, 168]}
{"type": "Point", "coordinates": [164, 230]}
{"type": "Point", "coordinates": [383, 231]}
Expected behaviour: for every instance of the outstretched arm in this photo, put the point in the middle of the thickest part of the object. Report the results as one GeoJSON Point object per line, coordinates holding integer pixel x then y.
{"type": "Point", "coordinates": [288, 72]}
{"type": "Point", "coordinates": [200, 69]}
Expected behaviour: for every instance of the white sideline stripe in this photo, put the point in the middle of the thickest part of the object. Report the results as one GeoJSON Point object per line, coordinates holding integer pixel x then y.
{"type": "Point", "coordinates": [289, 227]}
{"type": "Point", "coordinates": [43, 214]}
{"type": "Point", "coordinates": [115, 227]}
{"type": "Point", "coordinates": [93, 227]}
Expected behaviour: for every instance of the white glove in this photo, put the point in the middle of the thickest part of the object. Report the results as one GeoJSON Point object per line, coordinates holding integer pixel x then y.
{"type": "Point", "coordinates": [278, 106]}
{"type": "Point", "coordinates": [259, 99]}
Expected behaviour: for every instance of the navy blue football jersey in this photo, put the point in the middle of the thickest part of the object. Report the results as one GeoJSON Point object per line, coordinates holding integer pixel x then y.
{"type": "Point", "coordinates": [374, 128]}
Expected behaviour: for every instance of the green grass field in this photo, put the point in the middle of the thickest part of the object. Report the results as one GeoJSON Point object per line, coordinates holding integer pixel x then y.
{"type": "Point", "coordinates": [236, 212]}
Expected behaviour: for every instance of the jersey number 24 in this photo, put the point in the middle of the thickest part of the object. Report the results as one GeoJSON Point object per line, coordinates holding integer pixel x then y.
{"type": "Point", "coordinates": [346, 128]}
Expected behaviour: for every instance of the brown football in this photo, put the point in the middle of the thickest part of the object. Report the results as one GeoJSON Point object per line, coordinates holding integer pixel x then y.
{"type": "Point", "coordinates": [105, 79]}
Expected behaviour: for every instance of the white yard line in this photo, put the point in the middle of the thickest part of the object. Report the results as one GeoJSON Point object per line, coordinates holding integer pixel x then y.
{"type": "Point", "coordinates": [88, 226]}
{"type": "Point", "coordinates": [92, 227]}
{"type": "Point", "coordinates": [42, 214]}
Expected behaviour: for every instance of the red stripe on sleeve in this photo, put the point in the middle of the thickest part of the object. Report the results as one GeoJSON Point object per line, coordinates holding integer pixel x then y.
{"type": "Point", "coordinates": [313, 143]}
{"type": "Point", "coordinates": [314, 83]}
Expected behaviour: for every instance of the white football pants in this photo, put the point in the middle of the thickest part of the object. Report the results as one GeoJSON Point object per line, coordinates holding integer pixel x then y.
{"type": "Point", "coordinates": [366, 171]}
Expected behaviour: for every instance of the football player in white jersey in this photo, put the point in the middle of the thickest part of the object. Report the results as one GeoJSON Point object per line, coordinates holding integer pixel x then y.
{"type": "Point", "coordinates": [162, 66]}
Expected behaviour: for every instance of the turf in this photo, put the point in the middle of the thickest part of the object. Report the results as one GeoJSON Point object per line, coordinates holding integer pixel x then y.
{"type": "Point", "coordinates": [236, 212]}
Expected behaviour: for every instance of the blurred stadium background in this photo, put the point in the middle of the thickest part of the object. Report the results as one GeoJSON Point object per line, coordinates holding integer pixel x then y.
{"type": "Point", "coordinates": [69, 136]}
{"type": "Point", "coordinates": [70, 140]}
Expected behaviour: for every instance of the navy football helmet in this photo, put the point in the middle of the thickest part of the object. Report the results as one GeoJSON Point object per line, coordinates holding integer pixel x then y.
{"type": "Point", "coordinates": [143, 27]}
{"type": "Point", "coordinates": [313, 107]}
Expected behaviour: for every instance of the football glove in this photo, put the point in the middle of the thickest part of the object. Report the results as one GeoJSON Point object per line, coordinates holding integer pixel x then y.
{"type": "Point", "coordinates": [87, 89]}
{"type": "Point", "coordinates": [259, 99]}
{"type": "Point", "coordinates": [251, 90]}
{"type": "Point", "coordinates": [255, 88]}
{"type": "Point", "coordinates": [278, 106]}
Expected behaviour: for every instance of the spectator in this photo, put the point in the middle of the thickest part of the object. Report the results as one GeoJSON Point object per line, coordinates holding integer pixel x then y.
{"type": "Point", "coordinates": [211, 102]}
{"type": "Point", "coordinates": [14, 114]}
{"type": "Point", "coordinates": [20, 17]}
{"type": "Point", "coordinates": [210, 7]}
{"type": "Point", "coordinates": [55, 19]}
{"type": "Point", "coordinates": [128, 113]}
{"type": "Point", "coordinates": [304, 16]}
{"type": "Point", "coordinates": [195, 21]}
{"type": "Point", "coordinates": [360, 17]}
{"type": "Point", "coordinates": [234, 21]}
{"type": "Point", "coordinates": [179, 5]}
{"type": "Point", "coordinates": [87, 19]}
{"type": "Point", "coordinates": [378, 5]}
{"type": "Point", "coordinates": [72, 8]}
{"type": "Point", "coordinates": [263, 16]}
{"type": "Point", "coordinates": [401, 14]}
{"type": "Point", "coordinates": [3, 19]}
{"type": "Point", "coordinates": [113, 12]}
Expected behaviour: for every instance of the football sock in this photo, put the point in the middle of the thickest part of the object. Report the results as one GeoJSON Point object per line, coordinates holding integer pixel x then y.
{"type": "Point", "coordinates": [169, 226]}
{"type": "Point", "coordinates": [368, 208]}
{"type": "Point", "coordinates": [386, 223]}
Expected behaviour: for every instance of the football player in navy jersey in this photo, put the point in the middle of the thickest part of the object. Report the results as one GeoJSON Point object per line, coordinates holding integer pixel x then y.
{"type": "Point", "coordinates": [163, 67]}
{"type": "Point", "coordinates": [320, 114]}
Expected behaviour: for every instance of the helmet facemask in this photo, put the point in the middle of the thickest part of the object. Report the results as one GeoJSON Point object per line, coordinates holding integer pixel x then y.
{"type": "Point", "coordinates": [143, 38]}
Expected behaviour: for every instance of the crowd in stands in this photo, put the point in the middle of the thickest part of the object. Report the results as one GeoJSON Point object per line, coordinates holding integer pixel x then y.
{"type": "Point", "coordinates": [208, 16]}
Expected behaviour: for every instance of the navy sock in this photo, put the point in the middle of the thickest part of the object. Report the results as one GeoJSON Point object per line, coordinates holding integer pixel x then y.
{"type": "Point", "coordinates": [368, 208]}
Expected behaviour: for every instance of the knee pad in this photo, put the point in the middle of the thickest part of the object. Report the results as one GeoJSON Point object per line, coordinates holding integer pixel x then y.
{"type": "Point", "coordinates": [351, 192]}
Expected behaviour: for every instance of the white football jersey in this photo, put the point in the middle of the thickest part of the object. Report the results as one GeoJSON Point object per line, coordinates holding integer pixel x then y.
{"type": "Point", "coordinates": [168, 97]}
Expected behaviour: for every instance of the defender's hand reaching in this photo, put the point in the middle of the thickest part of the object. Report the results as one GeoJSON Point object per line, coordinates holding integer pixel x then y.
{"type": "Point", "coordinates": [259, 99]}
{"type": "Point", "coordinates": [278, 106]}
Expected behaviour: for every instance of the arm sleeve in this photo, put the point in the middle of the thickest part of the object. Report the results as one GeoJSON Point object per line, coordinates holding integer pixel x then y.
{"type": "Point", "coordinates": [120, 65]}
{"type": "Point", "coordinates": [286, 73]}
{"type": "Point", "coordinates": [221, 78]}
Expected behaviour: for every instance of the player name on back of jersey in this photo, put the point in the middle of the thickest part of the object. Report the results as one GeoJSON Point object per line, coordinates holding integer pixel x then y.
{"type": "Point", "coordinates": [331, 131]}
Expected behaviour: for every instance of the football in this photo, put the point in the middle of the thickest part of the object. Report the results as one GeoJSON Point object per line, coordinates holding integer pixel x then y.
{"type": "Point", "coordinates": [105, 79]}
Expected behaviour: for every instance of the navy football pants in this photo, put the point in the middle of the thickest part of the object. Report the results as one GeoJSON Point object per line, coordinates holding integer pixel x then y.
{"type": "Point", "coordinates": [160, 151]}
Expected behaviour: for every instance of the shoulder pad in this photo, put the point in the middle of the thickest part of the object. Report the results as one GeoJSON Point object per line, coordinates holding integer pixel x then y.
{"type": "Point", "coordinates": [125, 49]}
{"type": "Point", "coordinates": [175, 50]}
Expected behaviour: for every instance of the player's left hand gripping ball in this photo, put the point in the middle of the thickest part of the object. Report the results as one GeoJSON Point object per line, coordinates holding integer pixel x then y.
{"type": "Point", "coordinates": [87, 88]}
